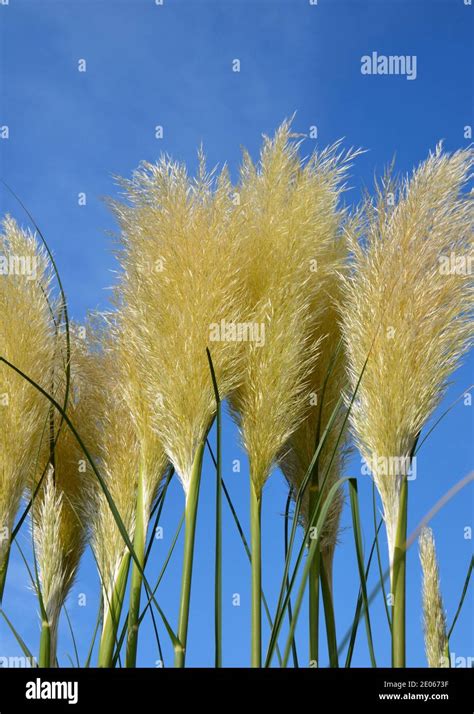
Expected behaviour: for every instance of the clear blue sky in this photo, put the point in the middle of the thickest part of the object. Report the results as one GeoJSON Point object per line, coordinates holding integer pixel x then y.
{"type": "Point", "coordinates": [171, 65]}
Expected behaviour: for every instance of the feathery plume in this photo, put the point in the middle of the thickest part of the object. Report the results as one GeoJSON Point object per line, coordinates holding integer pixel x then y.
{"type": "Point", "coordinates": [62, 504]}
{"type": "Point", "coordinates": [126, 445]}
{"type": "Point", "coordinates": [180, 285]}
{"type": "Point", "coordinates": [409, 309]}
{"type": "Point", "coordinates": [304, 441]}
{"type": "Point", "coordinates": [129, 456]}
{"type": "Point", "coordinates": [46, 534]}
{"type": "Point", "coordinates": [179, 293]}
{"type": "Point", "coordinates": [151, 465]}
{"type": "Point", "coordinates": [117, 458]}
{"type": "Point", "coordinates": [289, 220]}
{"type": "Point", "coordinates": [27, 341]}
{"type": "Point", "coordinates": [436, 639]}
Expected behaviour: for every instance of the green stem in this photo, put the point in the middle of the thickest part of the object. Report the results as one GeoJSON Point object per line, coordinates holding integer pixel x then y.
{"type": "Point", "coordinates": [399, 581]}
{"type": "Point", "coordinates": [111, 621]}
{"type": "Point", "coordinates": [313, 601]}
{"type": "Point", "coordinates": [4, 559]}
{"type": "Point", "coordinates": [317, 521]}
{"type": "Point", "coordinates": [53, 641]}
{"type": "Point", "coordinates": [45, 644]}
{"type": "Point", "coordinates": [326, 588]}
{"type": "Point", "coordinates": [357, 530]}
{"type": "Point", "coordinates": [218, 551]}
{"type": "Point", "coordinates": [249, 554]}
{"type": "Point", "coordinates": [463, 595]}
{"type": "Point", "coordinates": [218, 555]}
{"type": "Point", "coordinates": [255, 529]}
{"type": "Point", "coordinates": [192, 499]}
{"type": "Point", "coordinates": [379, 558]}
{"type": "Point", "coordinates": [313, 581]}
{"type": "Point", "coordinates": [139, 543]}
{"type": "Point", "coordinates": [290, 610]}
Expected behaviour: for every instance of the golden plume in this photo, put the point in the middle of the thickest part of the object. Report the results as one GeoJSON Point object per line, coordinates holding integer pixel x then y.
{"type": "Point", "coordinates": [327, 385]}
{"type": "Point", "coordinates": [181, 281]}
{"type": "Point", "coordinates": [62, 504]}
{"type": "Point", "coordinates": [410, 309]}
{"type": "Point", "coordinates": [290, 220]}
{"type": "Point", "coordinates": [434, 618]}
{"type": "Point", "coordinates": [127, 453]}
{"type": "Point", "coordinates": [27, 341]}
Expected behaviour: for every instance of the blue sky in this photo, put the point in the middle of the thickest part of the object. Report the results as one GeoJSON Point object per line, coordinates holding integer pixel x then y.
{"type": "Point", "coordinates": [171, 65]}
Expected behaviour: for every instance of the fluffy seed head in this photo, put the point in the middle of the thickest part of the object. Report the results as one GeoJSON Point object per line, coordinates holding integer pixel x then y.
{"type": "Point", "coordinates": [181, 278]}
{"type": "Point", "coordinates": [123, 447]}
{"type": "Point", "coordinates": [434, 618]}
{"type": "Point", "coordinates": [62, 503]}
{"type": "Point", "coordinates": [289, 220]}
{"type": "Point", "coordinates": [48, 515]}
{"type": "Point", "coordinates": [27, 341]}
{"type": "Point", "coordinates": [329, 368]}
{"type": "Point", "coordinates": [409, 310]}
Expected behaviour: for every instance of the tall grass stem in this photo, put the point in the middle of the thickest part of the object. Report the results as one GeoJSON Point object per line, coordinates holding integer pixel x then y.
{"type": "Point", "coordinates": [44, 659]}
{"type": "Point", "coordinates": [399, 581]}
{"type": "Point", "coordinates": [255, 528]}
{"type": "Point", "coordinates": [139, 544]}
{"type": "Point", "coordinates": [112, 615]}
{"type": "Point", "coordinates": [192, 500]}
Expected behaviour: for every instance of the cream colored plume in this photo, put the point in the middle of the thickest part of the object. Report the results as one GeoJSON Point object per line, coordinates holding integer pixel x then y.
{"type": "Point", "coordinates": [182, 274]}
{"type": "Point", "coordinates": [289, 221]}
{"type": "Point", "coordinates": [434, 618]}
{"type": "Point", "coordinates": [63, 502]}
{"type": "Point", "coordinates": [27, 341]}
{"type": "Point", "coordinates": [48, 515]}
{"type": "Point", "coordinates": [124, 446]}
{"type": "Point", "coordinates": [329, 370]}
{"type": "Point", "coordinates": [410, 308]}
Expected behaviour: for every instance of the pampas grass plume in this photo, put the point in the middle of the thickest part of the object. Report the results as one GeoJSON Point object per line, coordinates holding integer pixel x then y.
{"type": "Point", "coordinates": [411, 314]}
{"type": "Point", "coordinates": [182, 271]}
{"type": "Point", "coordinates": [27, 341]}
{"type": "Point", "coordinates": [434, 618]}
